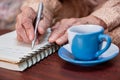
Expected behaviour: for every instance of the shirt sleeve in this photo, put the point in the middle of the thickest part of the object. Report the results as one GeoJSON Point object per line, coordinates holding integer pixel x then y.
{"type": "Point", "coordinates": [109, 12]}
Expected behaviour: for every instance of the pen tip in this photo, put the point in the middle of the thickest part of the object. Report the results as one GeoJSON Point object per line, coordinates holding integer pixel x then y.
{"type": "Point", "coordinates": [33, 43]}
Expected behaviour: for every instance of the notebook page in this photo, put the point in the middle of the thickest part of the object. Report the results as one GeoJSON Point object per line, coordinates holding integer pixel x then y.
{"type": "Point", "coordinates": [11, 50]}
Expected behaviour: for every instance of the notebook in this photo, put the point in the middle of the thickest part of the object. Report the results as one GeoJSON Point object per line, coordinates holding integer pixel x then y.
{"type": "Point", "coordinates": [18, 56]}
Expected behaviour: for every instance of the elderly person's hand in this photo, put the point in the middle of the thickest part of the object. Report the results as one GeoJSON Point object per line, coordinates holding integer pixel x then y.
{"type": "Point", "coordinates": [24, 25]}
{"type": "Point", "coordinates": [59, 31]}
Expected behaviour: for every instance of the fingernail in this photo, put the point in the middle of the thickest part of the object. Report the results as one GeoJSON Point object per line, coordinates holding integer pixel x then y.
{"type": "Point", "coordinates": [41, 30]}
{"type": "Point", "coordinates": [31, 37]}
{"type": "Point", "coordinates": [58, 40]}
{"type": "Point", "coordinates": [51, 39]}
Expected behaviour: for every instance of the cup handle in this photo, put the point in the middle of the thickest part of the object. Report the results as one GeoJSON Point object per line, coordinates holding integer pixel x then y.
{"type": "Point", "coordinates": [107, 38]}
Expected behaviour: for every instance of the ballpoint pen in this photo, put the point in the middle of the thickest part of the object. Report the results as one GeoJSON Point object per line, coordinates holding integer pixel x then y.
{"type": "Point", "coordinates": [39, 16]}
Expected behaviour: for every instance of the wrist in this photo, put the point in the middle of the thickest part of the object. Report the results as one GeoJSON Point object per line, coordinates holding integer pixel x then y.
{"type": "Point", "coordinates": [99, 21]}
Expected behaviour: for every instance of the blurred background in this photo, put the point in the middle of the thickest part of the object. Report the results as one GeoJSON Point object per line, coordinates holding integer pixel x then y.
{"type": "Point", "coordinates": [9, 9]}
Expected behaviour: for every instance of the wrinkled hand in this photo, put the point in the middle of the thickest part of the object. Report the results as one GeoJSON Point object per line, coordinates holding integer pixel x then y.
{"type": "Point", "coordinates": [59, 31]}
{"type": "Point", "coordinates": [24, 25]}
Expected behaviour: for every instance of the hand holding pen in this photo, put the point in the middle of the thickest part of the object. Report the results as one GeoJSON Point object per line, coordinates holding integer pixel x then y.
{"type": "Point", "coordinates": [24, 24]}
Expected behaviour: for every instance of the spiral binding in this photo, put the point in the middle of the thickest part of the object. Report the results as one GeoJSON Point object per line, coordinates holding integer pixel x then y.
{"type": "Point", "coordinates": [39, 54]}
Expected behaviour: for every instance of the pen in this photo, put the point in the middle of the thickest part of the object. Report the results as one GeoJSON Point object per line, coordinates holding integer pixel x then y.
{"type": "Point", "coordinates": [39, 16]}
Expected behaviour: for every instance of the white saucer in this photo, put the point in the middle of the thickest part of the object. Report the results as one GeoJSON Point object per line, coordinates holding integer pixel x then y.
{"type": "Point", "coordinates": [65, 53]}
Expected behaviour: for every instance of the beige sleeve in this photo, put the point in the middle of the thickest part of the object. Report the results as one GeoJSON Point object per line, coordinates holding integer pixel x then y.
{"type": "Point", "coordinates": [109, 13]}
{"type": "Point", "coordinates": [115, 35]}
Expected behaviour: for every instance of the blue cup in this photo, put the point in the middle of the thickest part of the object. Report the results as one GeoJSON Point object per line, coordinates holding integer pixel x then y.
{"type": "Point", "coordinates": [86, 41]}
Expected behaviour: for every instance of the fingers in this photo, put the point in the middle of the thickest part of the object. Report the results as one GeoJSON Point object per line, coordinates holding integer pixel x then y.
{"type": "Point", "coordinates": [58, 34]}
{"type": "Point", "coordinates": [63, 39]}
{"type": "Point", "coordinates": [44, 23]}
{"type": "Point", "coordinates": [19, 38]}
{"type": "Point", "coordinates": [21, 35]}
{"type": "Point", "coordinates": [54, 27]}
{"type": "Point", "coordinates": [28, 27]}
{"type": "Point", "coordinates": [42, 27]}
{"type": "Point", "coordinates": [24, 25]}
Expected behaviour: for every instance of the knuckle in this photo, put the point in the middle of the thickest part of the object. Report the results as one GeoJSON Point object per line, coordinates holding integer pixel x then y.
{"type": "Point", "coordinates": [30, 13]}
{"type": "Point", "coordinates": [59, 32]}
{"type": "Point", "coordinates": [26, 20]}
{"type": "Point", "coordinates": [27, 25]}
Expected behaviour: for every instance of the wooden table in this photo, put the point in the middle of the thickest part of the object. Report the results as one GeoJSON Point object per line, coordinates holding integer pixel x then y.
{"type": "Point", "coordinates": [54, 68]}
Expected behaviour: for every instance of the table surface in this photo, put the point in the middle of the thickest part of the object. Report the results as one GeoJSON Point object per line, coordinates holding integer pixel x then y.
{"type": "Point", "coordinates": [54, 68]}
